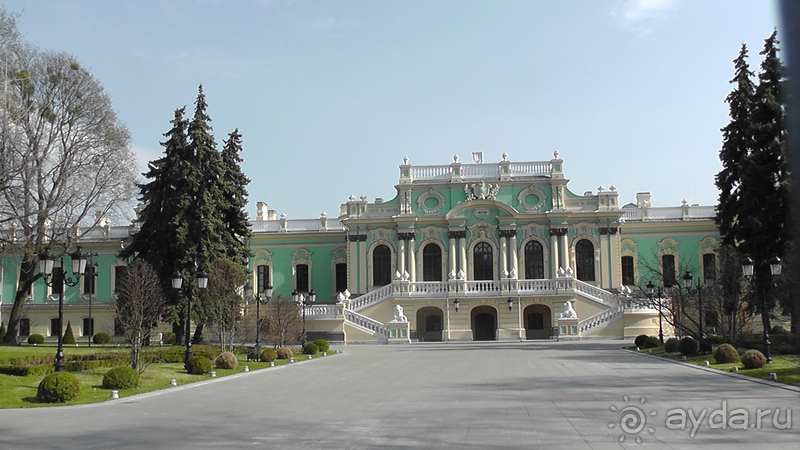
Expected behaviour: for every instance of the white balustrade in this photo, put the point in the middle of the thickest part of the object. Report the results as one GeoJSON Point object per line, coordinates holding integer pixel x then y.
{"type": "Point", "coordinates": [320, 312]}
{"type": "Point", "coordinates": [371, 298]}
{"type": "Point", "coordinates": [600, 295]}
{"type": "Point", "coordinates": [367, 323]}
{"type": "Point", "coordinates": [600, 318]}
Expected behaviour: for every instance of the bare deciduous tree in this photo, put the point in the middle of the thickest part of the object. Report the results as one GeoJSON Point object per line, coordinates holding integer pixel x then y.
{"type": "Point", "coordinates": [66, 158]}
{"type": "Point", "coordinates": [281, 321]}
{"type": "Point", "coordinates": [140, 305]}
{"type": "Point", "coordinates": [220, 304]}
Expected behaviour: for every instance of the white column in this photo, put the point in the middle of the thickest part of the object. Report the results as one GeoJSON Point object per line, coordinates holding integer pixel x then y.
{"type": "Point", "coordinates": [514, 260]}
{"type": "Point", "coordinates": [453, 255]}
{"type": "Point", "coordinates": [553, 254]}
{"type": "Point", "coordinates": [462, 250]}
{"type": "Point", "coordinates": [412, 266]}
{"type": "Point", "coordinates": [401, 255]}
{"type": "Point", "coordinates": [503, 256]}
{"type": "Point", "coordinates": [565, 251]}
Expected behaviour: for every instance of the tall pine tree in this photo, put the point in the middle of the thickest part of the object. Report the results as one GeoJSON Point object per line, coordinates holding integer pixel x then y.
{"type": "Point", "coordinates": [234, 191]}
{"type": "Point", "coordinates": [753, 211]}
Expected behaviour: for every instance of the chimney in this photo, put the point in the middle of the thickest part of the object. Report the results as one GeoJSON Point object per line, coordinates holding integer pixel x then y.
{"type": "Point", "coordinates": [261, 207]}
{"type": "Point", "coordinates": [643, 199]}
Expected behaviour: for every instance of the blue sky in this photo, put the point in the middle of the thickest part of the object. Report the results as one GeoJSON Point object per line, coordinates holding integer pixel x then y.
{"type": "Point", "coordinates": [331, 95]}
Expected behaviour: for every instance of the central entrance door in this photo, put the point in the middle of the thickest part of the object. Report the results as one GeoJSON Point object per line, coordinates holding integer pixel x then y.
{"type": "Point", "coordinates": [484, 323]}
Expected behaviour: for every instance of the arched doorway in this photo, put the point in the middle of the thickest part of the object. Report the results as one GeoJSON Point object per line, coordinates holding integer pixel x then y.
{"type": "Point", "coordinates": [430, 323]}
{"type": "Point", "coordinates": [484, 323]}
{"type": "Point", "coordinates": [538, 321]}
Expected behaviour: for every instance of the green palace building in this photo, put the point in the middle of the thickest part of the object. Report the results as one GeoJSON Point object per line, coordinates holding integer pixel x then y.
{"type": "Point", "coordinates": [479, 251]}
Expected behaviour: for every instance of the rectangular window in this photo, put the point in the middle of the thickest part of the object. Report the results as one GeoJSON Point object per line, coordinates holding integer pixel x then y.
{"type": "Point", "coordinates": [301, 277]}
{"type": "Point", "coordinates": [668, 270]}
{"type": "Point", "coordinates": [120, 272]}
{"type": "Point", "coordinates": [262, 278]}
{"type": "Point", "coordinates": [90, 280]}
{"type": "Point", "coordinates": [709, 268]}
{"type": "Point", "coordinates": [58, 281]}
{"type": "Point", "coordinates": [341, 277]}
{"type": "Point", "coordinates": [24, 326]}
{"type": "Point", "coordinates": [55, 327]}
{"type": "Point", "coordinates": [628, 278]}
{"type": "Point", "coordinates": [88, 326]}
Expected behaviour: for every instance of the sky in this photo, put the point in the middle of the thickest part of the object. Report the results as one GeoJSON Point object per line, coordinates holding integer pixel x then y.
{"type": "Point", "coordinates": [329, 96]}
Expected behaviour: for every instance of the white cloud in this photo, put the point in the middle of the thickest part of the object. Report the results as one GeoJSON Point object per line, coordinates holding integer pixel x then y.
{"type": "Point", "coordinates": [642, 15]}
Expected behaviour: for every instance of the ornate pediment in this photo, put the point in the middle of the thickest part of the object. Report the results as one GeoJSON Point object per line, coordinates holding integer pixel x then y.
{"type": "Point", "coordinates": [481, 191]}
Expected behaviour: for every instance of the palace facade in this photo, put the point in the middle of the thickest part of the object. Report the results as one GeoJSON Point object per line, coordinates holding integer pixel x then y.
{"type": "Point", "coordinates": [478, 251]}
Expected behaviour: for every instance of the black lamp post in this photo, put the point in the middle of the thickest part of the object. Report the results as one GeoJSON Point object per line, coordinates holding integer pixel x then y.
{"type": "Point", "coordinates": [261, 301]}
{"type": "Point", "coordinates": [177, 282]}
{"type": "Point", "coordinates": [90, 263]}
{"type": "Point", "coordinates": [775, 268]}
{"type": "Point", "coordinates": [46, 260]}
{"type": "Point", "coordinates": [304, 300]}
{"type": "Point", "coordinates": [651, 290]}
{"type": "Point", "coordinates": [687, 283]}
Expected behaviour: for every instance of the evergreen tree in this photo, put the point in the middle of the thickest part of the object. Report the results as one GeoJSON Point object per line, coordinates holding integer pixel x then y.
{"type": "Point", "coordinates": [161, 238]}
{"type": "Point", "coordinates": [69, 336]}
{"type": "Point", "coordinates": [234, 191]}
{"type": "Point", "coordinates": [753, 213]}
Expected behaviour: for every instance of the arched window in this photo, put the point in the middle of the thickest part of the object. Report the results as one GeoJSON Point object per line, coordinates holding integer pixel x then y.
{"type": "Point", "coordinates": [584, 260]}
{"type": "Point", "coordinates": [432, 263]}
{"type": "Point", "coordinates": [483, 259]}
{"type": "Point", "coordinates": [534, 261]}
{"type": "Point", "coordinates": [381, 266]}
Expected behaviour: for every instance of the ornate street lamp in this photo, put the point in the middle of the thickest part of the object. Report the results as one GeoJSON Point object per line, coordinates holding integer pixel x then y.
{"type": "Point", "coordinates": [456, 304]}
{"type": "Point", "coordinates": [261, 301]}
{"type": "Point", "coordinates": [775, 269]}
{"type": "Point", "coordinates": [177, 283]}
{"type": "Point", "coordinates": [46, 260]}
{"type": "Point", "coordinates": [687, 283]}
{"type": "Point", "coordinates": [304, 300]}
{"type": "Point", "coordinates": [510, 303]}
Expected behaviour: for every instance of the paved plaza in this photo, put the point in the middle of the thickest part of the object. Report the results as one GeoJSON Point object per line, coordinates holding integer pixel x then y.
{"type": "Point", "coordinates": [529, 395]}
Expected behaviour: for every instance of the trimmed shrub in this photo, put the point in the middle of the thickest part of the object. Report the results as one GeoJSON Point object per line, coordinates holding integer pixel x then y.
{"type": "Point", "coordinates": [37, 339]}
{"type": "Point", "coordinates": [753, 359]}
{"type": "Point", "coordinates": [672, 345]}
{"type": "Point", "coordinates": [652, 342]}
{"type": "Point", "coordinates": [69, 336]}
{"type": "Point", "coordinates": [226, 360]}
{"type": "Point", "coordinates": [101, 338]}
{"type": "Point", "coordinates": [121, 378]}
{"type": "Point", "coordinates": [323, 345]}
{"type": "Point", "coordinates": [2, 331]}
{"type": "Point", "coordinates": [688, 346]}
{"type": "Point", "coordinates": [726, 353]}
{"type": "Point", "coordinates": [269, 354]}
{"type": "Point", "coordinates": [58, 387]}
{"type": "Point", "coordinates": [198, 365]}
{"type": "Point", "coordinates": [639, 341]}
{"type": "Point", "coordinates": [310, 348]}
{"type": "Point", "coordinates": [284, 353]}
{"type": "Point", "coordinates": [168, 338]}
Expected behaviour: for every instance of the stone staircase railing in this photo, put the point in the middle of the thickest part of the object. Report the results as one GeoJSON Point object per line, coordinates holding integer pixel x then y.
{"type": "Point", "coordinates": [595, 293]}
{"type": "Point", "coordinates": [600, 318]}
{"type": "Point", "coordinates": [371, 298]}
{"type": "Point", "coordinates": [366, 324]}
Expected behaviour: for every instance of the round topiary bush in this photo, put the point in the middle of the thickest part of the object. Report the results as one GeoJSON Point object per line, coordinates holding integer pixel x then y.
{"type": "Point", "coordinates": [753, 359]}
{"type": "Point", "coordinates": [310, 348]}
{"type": "Point", "coordinates": [672, 345]}
{"type": "Point", "coordinates": [652, 342]}
{"type": "Point", "coordinates": [122, 377]}
{"type": "Point", "coordinates": [323, 345]}
{"type": "Point", "coordinates": [639, 341]}
{"type": "Point", "coordinates": [284, 353]}
{"type": "Point", "coordinates": [37, 339]}
{"type": "Point", "coordinates": [101, 338]}
{"type": "Point", "coordinates": [168, 338]}
{"type": "Point", "coordinates": [198, 365]}
{"type": "Point", "coordinates": [226, 360]}
{"type": "Point", "coordinates": [269, 355]}
{"type": "Point", "coordinates": [58, 387]}
{"type": "Point", "coordinates": [688, 346]}
{"type": "Point", "coordinates": [726, 353]}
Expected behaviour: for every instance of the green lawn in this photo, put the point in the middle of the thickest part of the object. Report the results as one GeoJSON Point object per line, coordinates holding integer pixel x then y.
{"type": "Point", "coordinates": [20, 392]}
{"type": "Point", "coordinates": [786, 367]}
